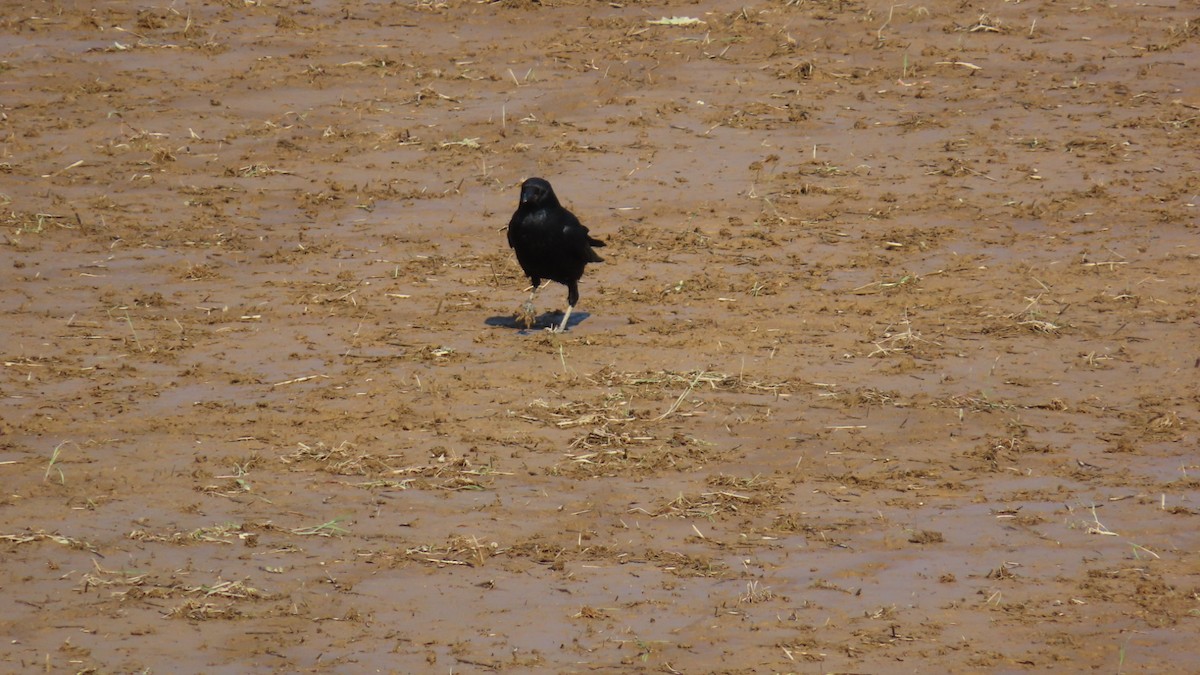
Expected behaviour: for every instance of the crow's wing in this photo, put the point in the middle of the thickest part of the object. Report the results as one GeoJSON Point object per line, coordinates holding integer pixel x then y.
{"type": "Point", "coordinates": [514, 227]}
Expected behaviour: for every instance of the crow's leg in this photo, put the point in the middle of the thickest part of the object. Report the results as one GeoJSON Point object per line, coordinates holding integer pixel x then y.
{"type": "Point", "coordinates": [566, 317]}
{"type": "Point", "coordinates": [572, 299]}
{"type": "Point", "coordinates": [528, 313]}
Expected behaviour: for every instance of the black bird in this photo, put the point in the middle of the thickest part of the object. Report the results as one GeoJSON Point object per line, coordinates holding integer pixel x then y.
{"type": "Point", "coordinates": [550, 243]}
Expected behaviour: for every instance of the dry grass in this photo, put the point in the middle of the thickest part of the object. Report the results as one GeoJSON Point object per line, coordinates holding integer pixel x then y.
{"type": "Point", "coordinates": [702, 379]}
{"type": "Point", "coordinates": [731, 496]}
{"type": "Point", "coordinates": [904, 341]}
{"type": "Point", "coordinates": [1030, 319]}
{"type": "Point", "coordinates": [343, 459]}
{"type": "Point", "coordinates": [459, 550]}
{"type": "Point", "coordinates": [198, 610]}
{"type": "Point", "coordinates": [629, 427]}
{"type": "Point", "coordinates": [41, 535]}
{"type": "Point", "coordinates": [198, 601]}
{"type": "Point", "coordinates": [971, 403]}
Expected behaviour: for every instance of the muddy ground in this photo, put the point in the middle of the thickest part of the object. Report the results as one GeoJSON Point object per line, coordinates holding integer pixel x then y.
{"type": "Point", "coordinates": [891, 366]}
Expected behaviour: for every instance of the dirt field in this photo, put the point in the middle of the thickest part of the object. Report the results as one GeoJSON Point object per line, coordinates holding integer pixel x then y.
{"type": "Point", "coordinates": [891, 366]}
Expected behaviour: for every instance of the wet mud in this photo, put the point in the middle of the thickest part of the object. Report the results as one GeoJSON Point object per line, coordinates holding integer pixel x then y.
{"type": "Point", "coordinates": [890, 367]}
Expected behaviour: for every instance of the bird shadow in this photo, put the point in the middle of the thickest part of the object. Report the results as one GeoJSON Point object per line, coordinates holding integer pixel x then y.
{"type": "Point", "coordinates": [542, 322]}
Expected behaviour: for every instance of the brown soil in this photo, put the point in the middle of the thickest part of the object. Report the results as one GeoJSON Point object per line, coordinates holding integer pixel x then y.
{"type": "Point", "coordinates": [891, 366]}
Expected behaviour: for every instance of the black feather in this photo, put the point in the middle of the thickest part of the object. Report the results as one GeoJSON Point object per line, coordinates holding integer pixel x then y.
{"type": "Point", "coordinates": [549, 240]}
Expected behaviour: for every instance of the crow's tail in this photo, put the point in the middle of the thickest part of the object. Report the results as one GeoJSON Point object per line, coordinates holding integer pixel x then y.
{"type": "Point", "coordinates": [592, 255]}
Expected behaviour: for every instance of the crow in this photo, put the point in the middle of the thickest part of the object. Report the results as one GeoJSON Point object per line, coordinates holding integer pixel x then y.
{"type": "Point", "coordinates": [551, 244]}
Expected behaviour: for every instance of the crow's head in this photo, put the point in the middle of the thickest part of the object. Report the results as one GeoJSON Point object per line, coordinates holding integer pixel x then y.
{"type": "Point", "coordinates": [537, 192]}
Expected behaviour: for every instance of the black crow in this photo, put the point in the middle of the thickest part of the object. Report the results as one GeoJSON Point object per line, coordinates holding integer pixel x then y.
{"type": "Point", "coordinates": [551, 244]}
